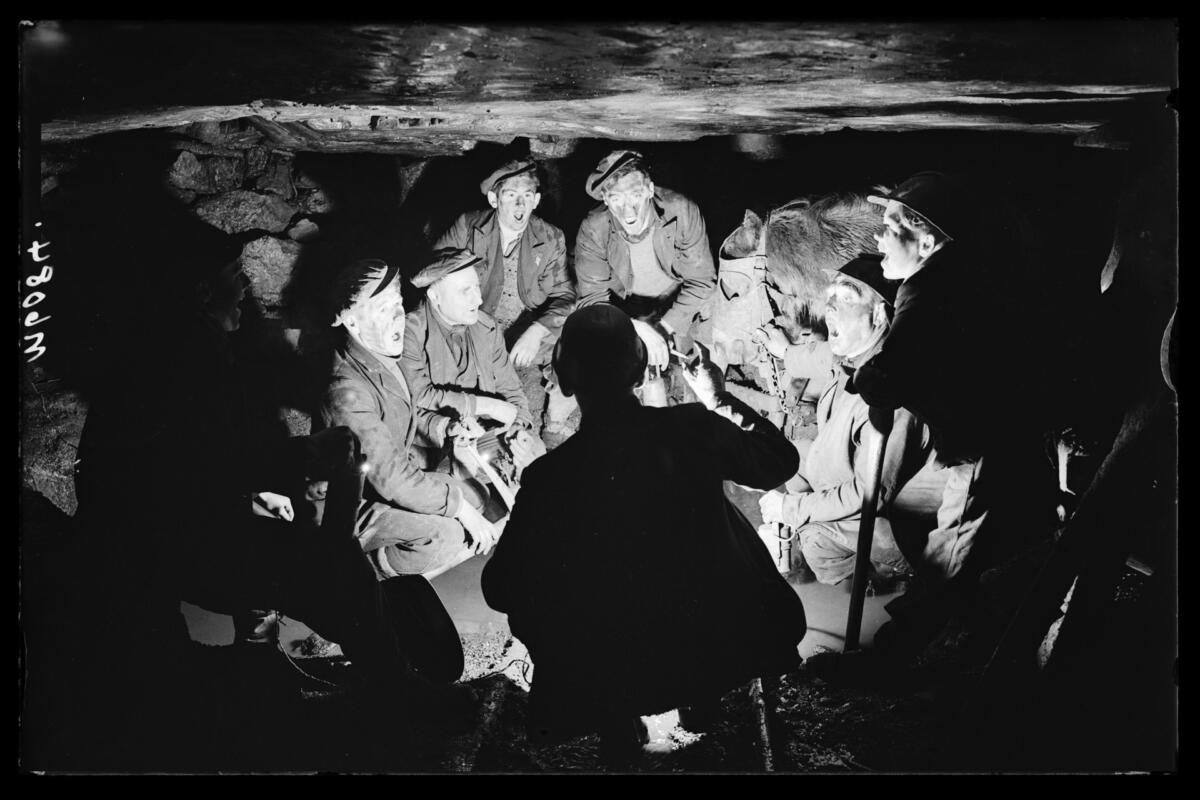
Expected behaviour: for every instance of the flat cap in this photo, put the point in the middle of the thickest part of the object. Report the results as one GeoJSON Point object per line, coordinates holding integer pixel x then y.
{"type": "Point", "coordinates": [504, 172]}
{"type": "Point", "coordinates": [607, 166]}
{"type": "Point", "coordinates": [868, 269]}
{"type": "Point", "coordinates": [446, 261]}
{"type": "Point", "coordinates": [936, 197]}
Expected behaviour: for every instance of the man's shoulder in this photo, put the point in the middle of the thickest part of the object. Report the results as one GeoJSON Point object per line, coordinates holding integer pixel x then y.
{"type": "Point", "coordinates": [675, 203]}
{"type": "Point", "coordinates": [545, 231]}
{"type": "Point", "coordinates": [346, 386]}
{"type": "Point", "coordinates": [475, 218]}
{"type": "Point", "coordinates": [597, 220]}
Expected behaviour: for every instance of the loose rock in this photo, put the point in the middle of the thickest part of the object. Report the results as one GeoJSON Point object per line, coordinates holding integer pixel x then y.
{"type": "Point", "coordinates": [316, 202]}
{"type": "Point", "coordinates": [268, 262]}
{"type": "Point", "coordinates": [277, 179]}
{"type": "Point", "coordinates": [304, 230]}
{"type": "Point", "coordinates": [241, 210]}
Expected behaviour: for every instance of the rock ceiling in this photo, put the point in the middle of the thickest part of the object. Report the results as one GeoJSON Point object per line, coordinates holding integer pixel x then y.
{"type": "Point", "coordinates": [438, 88]}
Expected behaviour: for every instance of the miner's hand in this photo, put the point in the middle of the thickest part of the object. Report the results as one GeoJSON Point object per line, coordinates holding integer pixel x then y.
{"type": "Point", "coordinates": [526, 349]}
{"type": "Point", "coordinates": [657, 350]}
{"type": "Point", "coordinates": [482, 533]}
{"type": "Point", "coordinates": [464, 430]}
{"type": "Point", "coordinates": [771, 506]}
{"type": "Point", "coordinates": [272, 505]}
{"type": "Point", "coordinates": [526, 448]}
{"type": "Point", "coordinates": [704, 377]}
{"type": "Point", "coordinates": [772, 338]}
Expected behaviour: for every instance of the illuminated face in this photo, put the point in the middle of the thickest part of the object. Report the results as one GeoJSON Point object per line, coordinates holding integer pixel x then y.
{"type": "Point", "coordinates": [515, 201]}
{"type": "Point", "coordinates": [628, 200]}
{"type": "Point", "coordinates": [456, 297]}
{"type": "Point", "coordinates": [225, 294]}
{"type": "Point", "coordinates": [378, 322]}
{"type": "Point", "coordinates": [849, 316]}
{"type": "Point", "coordinates": [901, 245]}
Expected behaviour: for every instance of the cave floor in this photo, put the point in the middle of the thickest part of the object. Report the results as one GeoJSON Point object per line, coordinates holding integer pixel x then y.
{"type": "Point", "coordinates": [822, 727]}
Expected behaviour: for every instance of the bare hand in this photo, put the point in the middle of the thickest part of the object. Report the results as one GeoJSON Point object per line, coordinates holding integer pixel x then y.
{"type": "Point", "coordinates": [657, 351]}
{"type": "Point", "coordinates": [703, 376]}
{"type": "Point", "coordinates": [737, 419]}
{"type": "Point", "coordinates": [316, 490]}
{"type": "Point", "coordinates": [771, 506]}
{"type": "Point", "coordinates": [464, 430]}
{"type": "Point", "coordinates": [483, 534]}
{"type": "Point", "coordinates": [502, 411]}
{"type": "Point", "coordinates": [526, 349]}
{"type": "Point", "coordinates": [272, 505]}
{"type": "Point", "coordinates": [771, 337]}
{"type": "Point", "coordinates": [526, 448]}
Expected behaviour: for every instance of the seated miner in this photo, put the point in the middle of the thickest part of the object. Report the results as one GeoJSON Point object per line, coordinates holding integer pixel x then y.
{"type": "Point", "coordinates": [636, 585]}
{"type": "Point", "coordinates": [646, 251]}
{"type": "Point", "coordinates": [458, 368]}
{"type": "Point", "coordinates": [412, 521]}
{"type": "Point", "coordinates": [194, 498]}
{"type": "Point", "coordinates": [823, 502]}
{"type": "Point", "coordinates": [524, 281]}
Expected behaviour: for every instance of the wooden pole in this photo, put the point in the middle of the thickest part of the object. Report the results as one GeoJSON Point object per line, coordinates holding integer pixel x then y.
{"type": "Point", "coordinates": [866, 533]}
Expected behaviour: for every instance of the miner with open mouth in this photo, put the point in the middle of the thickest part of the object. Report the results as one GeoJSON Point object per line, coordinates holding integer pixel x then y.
{"type": "Point", "coordinates": [412, 520]}
{"type": "Point", "coordinates": [646, 251]}
{"type": "Point", "coordinates": [524, 282]}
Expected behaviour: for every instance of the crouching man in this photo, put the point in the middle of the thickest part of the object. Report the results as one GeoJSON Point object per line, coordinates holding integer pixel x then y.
{"type": "Point", "coordinates": [645, 250]}
{"type": "Point", "coordinates": [823, 503]}
{"type": "Point", "coordinates": [411, 521]}
{"type": "Point", "coordinates": [622, 542]}
{"type": "Point", "coordinates": [523, 277]}
{"type": "Point", "coordinates": [457, 366]}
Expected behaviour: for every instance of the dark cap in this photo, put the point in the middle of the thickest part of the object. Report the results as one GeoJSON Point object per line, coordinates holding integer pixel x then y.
{"type": "Point", "coordinates": [511, 169]}
{"type": "Point", "coordinates": [607, 166]}
{"type": "Point", "coordinates": [868, 269]}
{"type": "Point", "coordinates": [350, 280]}
{"type": "Point", "coordinates": [936, 197]}
{"type": "Point", "coordinates": [446, 261]}
{"type": "Point", "coordinates": [600, 350]}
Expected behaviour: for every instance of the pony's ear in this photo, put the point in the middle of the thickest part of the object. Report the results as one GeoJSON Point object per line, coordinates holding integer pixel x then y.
{"type": "Point", "coordinates": [751, 220]}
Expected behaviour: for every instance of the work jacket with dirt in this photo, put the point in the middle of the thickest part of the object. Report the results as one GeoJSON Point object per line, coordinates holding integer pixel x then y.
{"type": "Point", "coordinates": [602, 260]}
{"type": "Point", "coordinates": [637, 586]}
{"type": "Point", "coordinates": [544, 284]}
{"type": "Point", "coordinates": [373, 400]}
{"type": "Point", "coordinates": [449, 366]}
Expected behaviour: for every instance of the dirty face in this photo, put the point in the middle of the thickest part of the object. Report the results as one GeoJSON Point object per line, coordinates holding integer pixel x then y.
{"type": "Point", "coordinates": [378, 322]}
{"type": "Point", "coordinates": [224, 295]}
{"type": "Point", "coordinates": [628, 200]}
{"type": "Point", "coordinates": [514, 201]}
{"type": "Point", "coordinates": [900, 244]}
{"type": "Point", "coordinates": [457, 298]}
{"type": "Point", "coordinates": [849, 316]}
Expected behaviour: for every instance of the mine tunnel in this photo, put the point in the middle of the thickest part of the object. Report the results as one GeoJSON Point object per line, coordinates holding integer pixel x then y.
{"type": "Point", "coordinates": [303, 147]}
